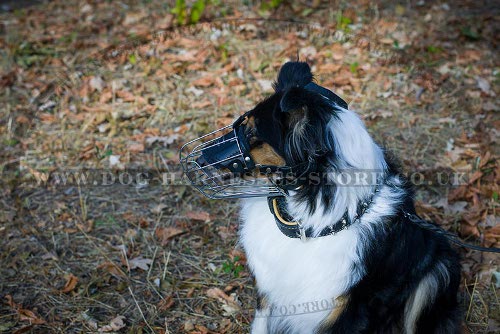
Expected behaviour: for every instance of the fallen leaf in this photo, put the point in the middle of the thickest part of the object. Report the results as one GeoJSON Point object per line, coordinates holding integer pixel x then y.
{"type": "Point", "coordinates": [490, 106]}
{"type": "Point", "coordinates": [27, 315]}
{"type": "Point", "coordinates": [136, 148]}
{"type": "Point", "coordinates": [200, 329]}
{"type": "Point", "coordinates": [166, 303]}
{"type": "Point", "coordinates": [229, 303]}
{"type": "Point", "coordinates": [492, 235]}
{"type": "Point", "coordinates": [329, 68]}
{"type": "Point", "coordinates": [112, 268]}
{"type": "Point", "coordinates": [204, 82]}
{"type": "Point", "coordinates": [198, 215]}
{"type": "Point", "coordinates": [483, 84]}
{"type": "Point", "coordinates": [217, 293]}
{"type": "Point", "coordinates": [129, 97]}
{"type": "Point", "coordinates": [457, 207]}
{"type": "Point", "coordinates": [22, 119]}
{"type": "Point", "coordinates": [265, 85]}
{"type": "Point", "coordinates": [96, 83]}
{"type": "Point", "coordinates": [71, 281]}
{"type": "Point", "coordinates": [91, 322]}
{"type": "Point", "coordinates": [167, 140]}
{"type": "Point", "coordinates": [24, 314]}
{"type": "Point", "coordinates": [467, 230]}
{"type": "Point", "coordinates": [159, 208]}
{"type": "Point", "coordinates": [195, 91]}
{"type": "Point", "coordinates": [140, 263]}
{"type": "Point", "coordinates": [224, 121]}
{"type": "Point", "coordinates": [188, 326]}
{"type": "Point", "coordinates": [114, 160]}
{"type": "Point", "coordinates": [164, 234]}
{"type": "Point", "coordinates": [201, 104]}
{"type": "Point", "coordinates": [114, 325]}
{"type": "Point", "coordinates": [106, 96]}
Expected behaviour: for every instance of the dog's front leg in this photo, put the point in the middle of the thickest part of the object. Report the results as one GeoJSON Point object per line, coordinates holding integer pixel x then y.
{"type": "Point", "coordinates": [259, 324]}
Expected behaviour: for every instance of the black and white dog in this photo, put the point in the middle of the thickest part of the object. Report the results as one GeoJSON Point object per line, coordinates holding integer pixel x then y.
{"type": "Point", "coordinates": [384, 274]}
{"type": "Point", "coordinates": [338, 234]}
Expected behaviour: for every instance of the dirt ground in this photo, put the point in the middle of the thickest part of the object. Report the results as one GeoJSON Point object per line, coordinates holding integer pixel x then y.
{"type": "Point", "coordinates": [94, 94]}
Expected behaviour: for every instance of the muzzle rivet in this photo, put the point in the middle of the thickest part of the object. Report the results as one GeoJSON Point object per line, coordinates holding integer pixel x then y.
{"type": "Point", "coordinates": [268, 170]}
{"type": "Point", "coordinates": [235, 165]}
{"type": "Point", "coordinates": [247, 159]}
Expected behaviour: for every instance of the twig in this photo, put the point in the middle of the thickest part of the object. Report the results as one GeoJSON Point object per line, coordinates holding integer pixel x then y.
{"type": "Point", "coordinates": [140, 311]}
{"type": "Point", "coordinates": [166, 263]}
{"type": "Point", "coordinates": [471, 300]}
{"type": "Point", "coordinates": [152, 264]}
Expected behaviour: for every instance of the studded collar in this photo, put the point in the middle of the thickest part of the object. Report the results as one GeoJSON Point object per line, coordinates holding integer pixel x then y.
{"type": "Point", "coordinates": [293, 228]}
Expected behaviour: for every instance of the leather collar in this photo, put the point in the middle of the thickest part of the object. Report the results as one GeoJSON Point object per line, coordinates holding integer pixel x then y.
{"type": "Point", "coordinates": [293, 228]}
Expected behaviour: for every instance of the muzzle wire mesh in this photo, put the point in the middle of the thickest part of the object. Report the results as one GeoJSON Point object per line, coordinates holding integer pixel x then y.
{"type": "Point", "coordinates": [213, 178]}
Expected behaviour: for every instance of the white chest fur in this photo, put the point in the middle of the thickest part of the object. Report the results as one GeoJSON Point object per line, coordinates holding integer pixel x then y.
{"type": "Point", "coordinates": [298, 278]}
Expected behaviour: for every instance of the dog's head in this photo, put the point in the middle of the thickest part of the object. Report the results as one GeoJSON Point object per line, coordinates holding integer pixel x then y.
{"type": "Point", "coordinates": [291, 126]}
{"type": "Point", "coordinates": [288, 133]}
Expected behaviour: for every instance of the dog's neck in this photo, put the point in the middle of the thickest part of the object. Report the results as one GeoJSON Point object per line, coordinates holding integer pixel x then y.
{"type": "Point", "coordinates": [356, 156]}
{"type": "Point", "coordinates": [293, 228]}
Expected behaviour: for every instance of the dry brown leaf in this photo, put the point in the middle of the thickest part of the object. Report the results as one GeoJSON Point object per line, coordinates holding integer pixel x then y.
{"type": "Point", "coordinates": [47, 118]}
{"type": "Point", "coordinates": [492, 235]}
{"type": "Point", "coordinates": [164, 234]}
{"type": "Point", "coordinates": [468, 230]}
{"type": "Point", "coordinates": [217, 293]}
{"type": "Point", "coordinates": [343, 78]}
{"type": "Point", "coordinates": [182, 129]}
{"type": "Point", "coordinates": [476, 176]}
{"type": "Point", "coordinates": [166, 303]}
{"type": "Point", "coordinates": [204, 81]}
{"type": "Point", "coordinates": [225, 232]}
{"type": "Point", "coordinates": [157, 209]}
{"type": "Point", "coordinates": [71, 281]}
{"type": "Point", "coordinates": [140, 262]}
{"type": "Point", "coordinates": [24, 314]}
{"type": "Point", "coordinates": [114, 325]}
{"type": "Point", "coordinates": [224, 121]}
{"type": "Point", "coordinates": [329, 68]}
{"type": "Point", "coordinates": [201, 104]}
{"type": "Point", "coordinates": [198, 215]}
{"type": "Point", "coordinates": [112, 268]}
{"type": "Point", "coordinates": [129, 97]}
{"type": "Point", "coordinates": [200, 329]}
{"type": "Point", "coordinates": [136, 148]}
{"type": "Point", "coordinates": [229, 303]}
{"type": "Point", "coordinates": [106, 96]}
{"type": "Point", "coordinates": [22, 119]}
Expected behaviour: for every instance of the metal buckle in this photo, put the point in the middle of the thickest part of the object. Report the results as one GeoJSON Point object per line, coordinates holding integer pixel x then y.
{"type": "Point", "coordinates": [302, 230]}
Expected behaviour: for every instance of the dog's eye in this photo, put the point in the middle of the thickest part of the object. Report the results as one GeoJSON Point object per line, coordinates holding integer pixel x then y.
{"type": "Point", "coordinates": [251, 133]}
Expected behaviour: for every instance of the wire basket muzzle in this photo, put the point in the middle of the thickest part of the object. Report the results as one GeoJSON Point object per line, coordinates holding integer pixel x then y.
{"type": "Point", "coordinates": [219, 165]}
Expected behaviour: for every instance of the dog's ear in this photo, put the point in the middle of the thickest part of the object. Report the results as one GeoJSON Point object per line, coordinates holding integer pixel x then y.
{"type": "Point", "coordinates": [294, 99]}
{"type": "Point", "coordinates": [306, 116]}
{"type": "Point", "coordinates": [293, 74]}
{"type": "Point", "coordinates": [294, 106]}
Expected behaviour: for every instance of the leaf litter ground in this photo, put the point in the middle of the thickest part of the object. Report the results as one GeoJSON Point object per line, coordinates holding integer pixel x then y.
{"type": "Point", "coordinates": [103, 86]}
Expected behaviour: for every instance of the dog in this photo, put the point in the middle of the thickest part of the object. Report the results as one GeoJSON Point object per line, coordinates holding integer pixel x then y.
{"type": "Point", "coordinates": [335, 251]}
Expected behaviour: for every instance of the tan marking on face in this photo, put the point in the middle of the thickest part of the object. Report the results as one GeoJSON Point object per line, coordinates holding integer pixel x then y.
{"type": "Point", "coordinates": [250, 122]}
{"type": "Point", "coordinates": [265, 155]}
{"type": "Point", "coordinates": [340, 305]}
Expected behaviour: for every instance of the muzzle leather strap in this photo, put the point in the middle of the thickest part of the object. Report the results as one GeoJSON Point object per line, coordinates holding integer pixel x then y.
{"type": "Point", "coordinates": [326, 93]}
